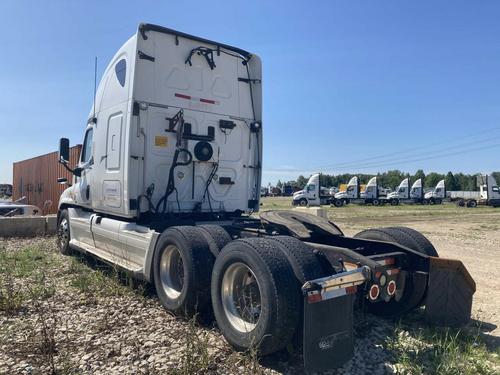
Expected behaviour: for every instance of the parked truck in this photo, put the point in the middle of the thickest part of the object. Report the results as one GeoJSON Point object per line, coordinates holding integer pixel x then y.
{"type": "Point", "coordinates": [488, 195]}
{"type": "Point", "coordinates": [354, 193]}
{"type": "Point", "coordinates": [405, 194]}
{"type": "Point", "coordinates": [313, 193]}
{"type": "Point", "coordinates": [436, 195]}
{"type": "Point", "coordinates": [168, 179]}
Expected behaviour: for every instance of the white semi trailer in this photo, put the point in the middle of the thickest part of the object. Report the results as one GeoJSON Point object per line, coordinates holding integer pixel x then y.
{"type": "Point", "coordinates": [168, 177]}
{"type": "Point", "coordinates": [488, 195]}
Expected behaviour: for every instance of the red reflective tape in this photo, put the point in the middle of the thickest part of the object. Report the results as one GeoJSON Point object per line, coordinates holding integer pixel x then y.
{"type": "Point", "coordinates": [314, 297]}
{"type": "Point", "coordinates": [182, 96]}
{"type": "Point", "coordinates": [207, 101]}
{"type": "Point", "coordinates": [351, 289]}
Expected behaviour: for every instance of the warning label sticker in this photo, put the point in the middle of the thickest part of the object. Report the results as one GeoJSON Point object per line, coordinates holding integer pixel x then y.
{"type": "Point", "coordinates": [161, 141]}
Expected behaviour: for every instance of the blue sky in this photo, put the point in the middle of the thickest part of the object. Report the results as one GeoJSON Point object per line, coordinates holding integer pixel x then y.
{"type": "Point", "coordinates": [349, 86]}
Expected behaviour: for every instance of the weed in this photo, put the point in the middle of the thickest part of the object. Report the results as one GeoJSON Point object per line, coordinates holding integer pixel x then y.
{"type": "Point", "coordinates": [440, 351]}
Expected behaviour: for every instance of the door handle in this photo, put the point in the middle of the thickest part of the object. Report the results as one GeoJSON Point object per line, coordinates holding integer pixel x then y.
{"type": "Point", "coordinates": [87, 192]}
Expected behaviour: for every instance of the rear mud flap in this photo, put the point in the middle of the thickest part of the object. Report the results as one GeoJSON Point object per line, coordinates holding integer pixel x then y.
{"type": "Point", "coordinates": [328, 333]}
{"type": "Point", "coordinates": [449, 293]}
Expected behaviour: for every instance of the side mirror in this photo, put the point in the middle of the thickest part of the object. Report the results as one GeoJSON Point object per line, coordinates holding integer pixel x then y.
{"type": "Point", "coordinates": [77, 171]}
{"type": "Point", "coordinates": [64, 150]}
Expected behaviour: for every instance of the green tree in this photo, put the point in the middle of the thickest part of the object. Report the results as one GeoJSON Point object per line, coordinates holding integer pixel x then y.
{"type": "Point", "coordinates": [301, 181]}
{"type": "Point", "coordinates": [450, 182]}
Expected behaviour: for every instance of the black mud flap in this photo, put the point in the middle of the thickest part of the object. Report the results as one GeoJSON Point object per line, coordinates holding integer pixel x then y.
{"type": "Point", "coordinates": [328, 333]}
{"type": "Point", "coordinates": [449, 293]}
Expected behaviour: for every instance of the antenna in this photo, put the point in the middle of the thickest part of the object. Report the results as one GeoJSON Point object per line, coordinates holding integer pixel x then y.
{"type": "Point", "coordinates": [95, 81]}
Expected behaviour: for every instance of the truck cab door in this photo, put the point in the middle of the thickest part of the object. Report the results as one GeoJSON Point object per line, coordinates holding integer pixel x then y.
{"type": "Point", "coordinates": [312, 191]}
{"type": "Point", "coordinates": [84, 182]}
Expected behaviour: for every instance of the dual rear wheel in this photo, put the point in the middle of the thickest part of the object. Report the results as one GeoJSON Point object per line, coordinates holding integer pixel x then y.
{"type": "Point", "coordinates": [253, 286]}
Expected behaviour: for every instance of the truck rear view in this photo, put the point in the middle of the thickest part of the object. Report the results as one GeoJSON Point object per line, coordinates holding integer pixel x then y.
{"type": "Point", "coordinates": [168, 178]}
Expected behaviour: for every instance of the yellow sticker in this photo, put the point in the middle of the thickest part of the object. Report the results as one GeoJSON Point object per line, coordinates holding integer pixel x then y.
{"type": "Point", "coordinates": [161, 141]}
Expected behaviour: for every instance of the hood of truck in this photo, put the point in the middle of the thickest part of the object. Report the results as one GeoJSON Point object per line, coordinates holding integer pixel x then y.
{"type": "Point", "coordinates": [393, 194]}
{"type": "Point", "coordinates": [341, 194]}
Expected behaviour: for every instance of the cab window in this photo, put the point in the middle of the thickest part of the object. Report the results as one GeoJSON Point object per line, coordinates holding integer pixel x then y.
{"type": "Point", "coordinates": [311, 187]}
{"type": "Point", "coordinates": [495, 189]}
{"type": "Point", "coordinates": [438, 190]}
{"type": "Point", "coordinates": [87, 146]}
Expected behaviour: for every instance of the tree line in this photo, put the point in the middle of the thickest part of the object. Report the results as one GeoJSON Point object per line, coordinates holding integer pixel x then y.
{"type": "Point", "coordinates": [391, 179]}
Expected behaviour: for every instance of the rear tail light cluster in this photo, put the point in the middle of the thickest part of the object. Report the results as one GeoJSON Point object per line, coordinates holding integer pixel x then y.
{"type": "Point", "coordinates": [374, 292]}
{"type": "Point", "coordinates": [391, 288]}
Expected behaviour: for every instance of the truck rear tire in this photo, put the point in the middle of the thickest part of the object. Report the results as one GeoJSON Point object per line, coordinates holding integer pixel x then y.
{"type": "Point", "coordinates": [472, 203]}
{"type": "Point", "coordinates": [422, 244]}
{"type": "Point", "coordinates": [376, 202]}
{"type": "Point", "coordinates": [413, 293]}
{"type": "Point", "coordinates": [255, 295]}
{"type": "Point", "coordinates": [394, 202]}
{"type": "Point", "coordinates": [216, 236]}
{"type": "Point", "coordinates": [182, 268]}
{"type": "Point", "coordinates": [63, 233]}
{"type": "Point", "coordinates": [461, 203]}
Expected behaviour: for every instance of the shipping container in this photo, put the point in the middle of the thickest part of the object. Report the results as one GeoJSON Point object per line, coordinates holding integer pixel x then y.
{"type": "Point", "coordinates": [36, 179]}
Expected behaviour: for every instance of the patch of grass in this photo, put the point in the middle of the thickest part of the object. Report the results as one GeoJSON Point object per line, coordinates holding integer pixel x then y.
{"type": "Point", "coordinates": [441, 351]}
{"type": "Point", "coordinates": [95, 282]}
{"type": "Point", "coordinates": [195, 358]}
{"type": "Point", "coordinates": [23, 276]}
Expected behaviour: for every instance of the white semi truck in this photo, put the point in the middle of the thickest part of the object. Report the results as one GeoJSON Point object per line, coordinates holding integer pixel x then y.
{"type": "Point", "coordinates": [405, 194]}
{"type": "Point", "coordinates": [168, 177]}
{"type": "Point", "coordinates": [416, 194]}
{"type": "Point", "coordinates": [488, 195]}
{"type": "Point", "coordinates": [313, 193]}
{"type": "Point", "coordinates": [436, 195]}
{"type": "Point", "coordinates": [353, 193]}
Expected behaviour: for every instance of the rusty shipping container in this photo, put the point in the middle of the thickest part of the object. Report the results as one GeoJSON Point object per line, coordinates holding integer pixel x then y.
{"type": "Point", "coordinates": [36, 179]}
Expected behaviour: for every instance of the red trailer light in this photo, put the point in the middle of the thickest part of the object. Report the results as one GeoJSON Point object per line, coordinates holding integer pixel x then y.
{"type": "Point", "coordinates": [391, 288]}
{"type": "Point", "coordinates": [374, 292]}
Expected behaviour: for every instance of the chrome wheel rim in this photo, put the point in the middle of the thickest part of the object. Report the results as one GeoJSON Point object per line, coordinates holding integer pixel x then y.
{"type": "Point", "coordinates": [172, 272]}
{"type": "Point", "coordinates": [241, 297]}
{"type": "Point", "coordinates": [63, 233]}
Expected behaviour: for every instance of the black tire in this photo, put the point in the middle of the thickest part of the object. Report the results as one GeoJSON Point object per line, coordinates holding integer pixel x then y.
{"type": "Point", "coordinates": [412, 295]}
{"type": "Point", "coordinates": [421, 243]}
{"type": "Point", "coordinates": [63, 233]}
{"type": "Point", "coordinates": [338, 203]}
{"type": "Point", "coordinates": [472, 203]}
{"type": "Point", "coordinates": [432, 201]}
{"type": "Point", "coordinates": [216, 236]}
{"type": "Point", "coordinates": [302, 202]}
{"type": "Point", "coordinates": [305, 264]}
{"type": "Point", "coordinates": [280, 297]}
{"type": "Point", "coordinates": [197, 264]}
{"type": "Point", "coordinates": [461, 203]}
{"type": "Point", "coordinates": [394, 202]}
{"type": "Point", "coordinates": [438, 201]}
{"type": "Point", "coordinates": [376, 202]}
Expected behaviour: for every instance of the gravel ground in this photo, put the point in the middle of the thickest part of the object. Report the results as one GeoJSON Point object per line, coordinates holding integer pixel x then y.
{"type": "Point", "coordinates": [74, 317]}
